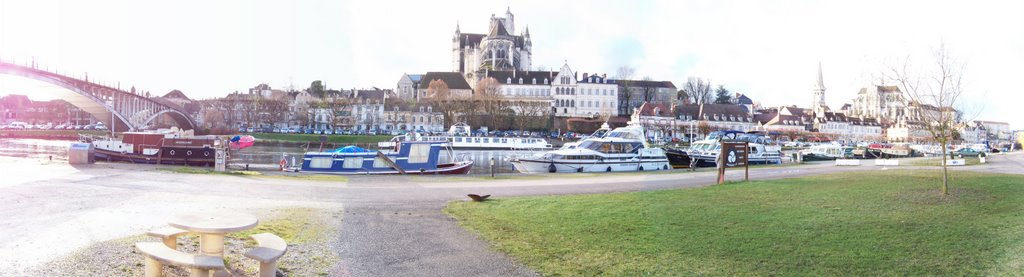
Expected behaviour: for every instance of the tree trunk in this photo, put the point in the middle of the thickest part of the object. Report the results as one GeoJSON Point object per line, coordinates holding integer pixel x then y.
{"type": "Point", "coordinates": [945, 172]}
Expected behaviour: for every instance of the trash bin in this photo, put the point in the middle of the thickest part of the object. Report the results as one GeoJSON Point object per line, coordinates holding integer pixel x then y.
{"type": "Point", "coordinates": [81, 153]}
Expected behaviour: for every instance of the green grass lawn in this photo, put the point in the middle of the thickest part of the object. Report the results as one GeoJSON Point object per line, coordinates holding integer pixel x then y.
{"type": "Point", "coordinates": [938, 161]}
{"type": "Point", "coordinates": [316, 138]}
{"type": "Point", "coordinates": [859, 224]}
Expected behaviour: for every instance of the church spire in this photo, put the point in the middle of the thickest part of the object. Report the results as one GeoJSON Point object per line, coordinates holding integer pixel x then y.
{"type": "Point", "coordinates": [819, 95]}
{"type": "Point", "coordinates": [821, 82]}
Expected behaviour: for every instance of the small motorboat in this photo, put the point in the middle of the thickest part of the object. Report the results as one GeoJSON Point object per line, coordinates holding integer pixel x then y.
{"type": "Point", "coordinates": [408, 157]}
{"type": "Point", "coordinates": [677, 158]}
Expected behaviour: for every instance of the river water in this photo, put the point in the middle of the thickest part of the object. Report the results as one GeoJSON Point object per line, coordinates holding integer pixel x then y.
{"type": "Point", "coordinates": [261, 155]}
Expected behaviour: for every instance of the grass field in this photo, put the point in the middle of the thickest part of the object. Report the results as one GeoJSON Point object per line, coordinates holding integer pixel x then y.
{"type": "Point", "coordinates": [316, 138]}
{"type": "Point", "coordinates": [938, 161]}
{"type": "Point", "coordinates": [859, 224]}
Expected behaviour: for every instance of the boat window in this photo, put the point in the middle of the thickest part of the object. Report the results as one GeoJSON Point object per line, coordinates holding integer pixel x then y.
{"type": "Point", "coordinates": [419, 153]}
{"type": "Point", "coordinates": [353, 162]}
{"type": "Point", "coordinates": [486, 140]}
{"type": "Point", "coordinates": [379, 162]}
{"type": "Point", "coordinates": [504, 140]}
{"type": "Point", "coordinates": [321, 162]}
{"type": "Point", "coordinates": [477, 140]}
{"type": "Point", "coordinates": [458, 139]}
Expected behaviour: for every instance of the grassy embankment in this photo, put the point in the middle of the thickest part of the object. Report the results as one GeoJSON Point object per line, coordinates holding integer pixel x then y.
{"type": "Point", "coordinates": [303, 138]}
{"type": "Point", "coordinates": [938, 161]}
{"type": "Point", "coordinates": [860, 224]}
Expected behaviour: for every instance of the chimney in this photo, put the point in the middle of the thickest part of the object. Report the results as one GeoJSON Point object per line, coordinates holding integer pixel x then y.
{"type": "Point", "coordinates": [585, 75]}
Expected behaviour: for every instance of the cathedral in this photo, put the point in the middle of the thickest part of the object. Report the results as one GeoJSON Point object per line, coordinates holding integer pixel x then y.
{"type": "Point", "coordinates": [497, 50]}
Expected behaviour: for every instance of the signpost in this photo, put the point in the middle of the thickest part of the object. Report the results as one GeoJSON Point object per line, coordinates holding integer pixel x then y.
{"type": "Point", "coordinates": [734, 154]}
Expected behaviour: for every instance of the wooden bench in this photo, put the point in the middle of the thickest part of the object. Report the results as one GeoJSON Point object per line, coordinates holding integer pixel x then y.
{"type": "Point", "coordinates": [270, 248]}
{"type": "Point", "coordinates": [158, 254]}
{"type": "Point", "coordinates": [168, 234]}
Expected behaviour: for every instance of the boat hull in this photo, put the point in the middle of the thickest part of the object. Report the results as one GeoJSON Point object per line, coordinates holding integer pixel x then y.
{"type": "Point", "coordinates": [678, 158]}
{"type": "Point", "coordinates": [181, 156]}
{"type": "Point", "coordinates": [458, 168]}
{"type": "Point", "coordinates": [532, 166]}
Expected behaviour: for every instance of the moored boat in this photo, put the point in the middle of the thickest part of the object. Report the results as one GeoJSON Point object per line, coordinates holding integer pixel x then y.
{"type": "Point", "coordinates": [762, 148]}
{"type": "Point", "coordinates": [826, 152]}
{"type": "Point", "coordinates": [622, 149]}
{"type": "Point", "coordinates": [408, 157]}
{"type": "Point", "coordinates": [459, 137]}
{"type": "Point", "coordinates": [165, 146]}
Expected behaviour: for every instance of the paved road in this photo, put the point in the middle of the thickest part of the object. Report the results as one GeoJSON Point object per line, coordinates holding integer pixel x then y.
{"type": "Point", "coordinates": [392, 225]}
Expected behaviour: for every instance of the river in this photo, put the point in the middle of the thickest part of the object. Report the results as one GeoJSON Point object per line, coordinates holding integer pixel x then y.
{"type": "Point", "coordinates": [261, 155]}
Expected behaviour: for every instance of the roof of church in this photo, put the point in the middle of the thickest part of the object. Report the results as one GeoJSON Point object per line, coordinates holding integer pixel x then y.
{"type": "Point", "coordinates": [176, 94]}
{"type": "Point", "coordinates": [415, 77]}
{"type": "Point", "coordinates": [454, 80]}
{"type": "Point", "coordinates": [498, 29]}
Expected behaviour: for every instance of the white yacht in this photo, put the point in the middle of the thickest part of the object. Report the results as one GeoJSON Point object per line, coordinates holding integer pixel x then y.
{"type": "Point", "coordinates": [622, 149]}
{"type": "Point", "coordinates": [458, 136]}
{"type": "Point", "coordinates": [763, 149]}
{"type": "Point", "coordinates": [827, 151]}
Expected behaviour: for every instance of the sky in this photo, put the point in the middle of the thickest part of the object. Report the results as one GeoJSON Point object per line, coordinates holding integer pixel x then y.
{"type": "Point", "coordinates": [768, 50]}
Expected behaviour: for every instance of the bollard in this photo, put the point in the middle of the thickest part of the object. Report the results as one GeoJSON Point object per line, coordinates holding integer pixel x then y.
{"type": "Point", "coordinates": [492, 167]}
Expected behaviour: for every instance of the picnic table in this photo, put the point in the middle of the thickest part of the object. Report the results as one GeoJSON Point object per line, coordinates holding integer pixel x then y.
{"type": "Point", "coordinates": [212, 228]}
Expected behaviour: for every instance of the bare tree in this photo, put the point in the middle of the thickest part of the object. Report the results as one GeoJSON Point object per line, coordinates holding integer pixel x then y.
{"type": "Point", "coordinates": [625, 76]}
{"type": "Point", "coordinates": [489, 99]}
{"type": "Point", "coordinates": [935, 85]}
{"type": "Point", "coordinates": [648, 89]}
{"type": "Point", "coordinates": [699, 90]}
{"type": "Point", "coordinates": [441, 97]}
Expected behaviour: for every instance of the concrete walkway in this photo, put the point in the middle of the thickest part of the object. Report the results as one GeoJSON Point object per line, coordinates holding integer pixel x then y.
{"type": "Point", "coordinates": [393, 225]}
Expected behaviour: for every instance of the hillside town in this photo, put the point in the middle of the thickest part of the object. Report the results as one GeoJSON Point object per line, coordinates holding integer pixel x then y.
{"type": "Point", "coordinates": [493, 86]}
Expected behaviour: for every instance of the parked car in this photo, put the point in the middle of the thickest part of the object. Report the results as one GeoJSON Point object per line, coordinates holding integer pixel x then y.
{"type": "Point", "coordinates": [967, 152]}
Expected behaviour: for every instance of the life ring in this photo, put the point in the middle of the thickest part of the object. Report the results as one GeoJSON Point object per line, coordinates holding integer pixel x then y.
{"type": "Point", "coordinates": [206, 153]}
{"type": "Point", "coordinates": [283, 163]}
{"type": "Point", "coordinates": [172, 152]}
{"type": "Point", "coordinates": [188, 153]}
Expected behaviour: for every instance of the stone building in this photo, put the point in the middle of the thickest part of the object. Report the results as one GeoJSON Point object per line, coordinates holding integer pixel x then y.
{"type": "Point", "coordinates": [499, 49]}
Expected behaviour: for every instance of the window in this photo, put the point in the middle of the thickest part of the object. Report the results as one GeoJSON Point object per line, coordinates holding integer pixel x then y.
{"type": "Point", "coordinates": [379, 162]}
{"type": "Point", "coordinates": [353, 162]}
{"type": "Point", "coordinates": [419, 153]}
{"type": "Point", "coordinates": [321, 162]}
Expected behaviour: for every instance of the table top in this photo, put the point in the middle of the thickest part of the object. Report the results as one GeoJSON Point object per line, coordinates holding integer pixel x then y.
{"type": "Point", "coordinates": [214, 222]}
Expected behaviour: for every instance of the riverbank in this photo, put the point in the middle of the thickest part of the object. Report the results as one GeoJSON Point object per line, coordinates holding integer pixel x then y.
{"type": "Point", "coordinates": [835, 224]}
{"type": "Point", "coordinates": [49, 134]}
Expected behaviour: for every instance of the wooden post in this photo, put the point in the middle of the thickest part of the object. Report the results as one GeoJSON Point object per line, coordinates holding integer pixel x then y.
{"type": "Point", "coordinates": [746, 169]}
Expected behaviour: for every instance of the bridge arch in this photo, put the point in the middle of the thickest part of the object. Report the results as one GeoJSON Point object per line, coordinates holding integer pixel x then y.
{"type": "Point", "coordinates": [120, 110]}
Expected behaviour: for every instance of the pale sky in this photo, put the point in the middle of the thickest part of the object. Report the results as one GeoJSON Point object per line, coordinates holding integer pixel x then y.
{"type": "Point", "coordinates": [768, 50]}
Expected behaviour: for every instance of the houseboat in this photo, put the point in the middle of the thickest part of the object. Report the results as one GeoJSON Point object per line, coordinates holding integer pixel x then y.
{"type": "Point", "coordinates": [459, 137]}
{"type": "Point", "coordinates": [407, 157]}
{"type": "Point", "coordinates": [164, 146]}
{"type": "Point", "coordinates": [763, 149]}
{"type": "Point", "coordinates": [826, 152]}
{"type": "Point", "coordinates": [622, 149]}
